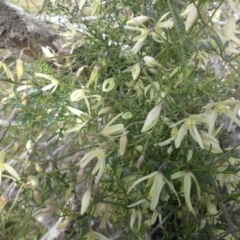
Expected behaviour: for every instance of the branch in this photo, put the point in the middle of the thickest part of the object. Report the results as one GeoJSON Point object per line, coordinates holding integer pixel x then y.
{"type": "Point", "coordinates": [162, 222]}
{"type": "Point", "coordinates": [11, 119]}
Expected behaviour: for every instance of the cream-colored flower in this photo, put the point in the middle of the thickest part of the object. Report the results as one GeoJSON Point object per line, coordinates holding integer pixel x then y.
{"type": "Point", "coordinates": [150, 176]}
{"type": "Point", "coordinates": [189, 125]}
{"type": "Point", "coordinates": [98, 153]}
{"type": "Point", "coordinates": [140, 38]}
{"type": "Point", "coordinates": [94, 77]}
{"type": "Point", "coordinates": [48, 52]}
{"type": "Point", "coordinates": [156, 189]}
{"type": "Point", "coordinates": [186, 178]}
{"type": "Point", "coordinates": [77, 95]}
{"type": "Point", "coordinates": [174, 135]}
{"type": "Point", "coordinates": [152, 90]}
{"type": "Point", "coordinates": [78, 113]}
{"type": "Point", "coordinates": [108, 85]}
{"type": "Point", "coordinates": [191, 14]}
{"type": "Point", "coordinates": [54, 81]}
{"type": "Point", "coordinates": [78, 126]}
{"type": "Point", "coordinates": [225, 108]}
{"type": "Point", "coordinates": [140, 41]}
{"type": "Point", "coordinates": [157, 181]}
{"type": "Point", "coordinates": [210, 143]}
{"type": "Point", "coordinates": [159, 34]}
{"type": "Point", "coordinates": [136, 213]}
{"type": "Point", "coordinates": [211, 207]}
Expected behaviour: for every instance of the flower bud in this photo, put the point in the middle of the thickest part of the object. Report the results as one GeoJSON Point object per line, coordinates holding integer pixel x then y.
{"type": "Point", "coordinates": [122, 144]}
{"type": "Point", "coordinates": [29, 145]}
{"type": "Point", "coordinates": [151, 62]}
{"type": "Point", "coordinates": [229, 27]}
{"type": "Point", "coordinates": [204, 16]}
{"type": "Point", "coordinates": [85, 201]}
{"type": "Point", "coordinates": [80, 174]}
{"type": "Point", "coordinates": [69, 193]}
{"type": "Point", "coordinates": [19, 68]}
{"type": "Point", "coordinates": [136, 71]}
{"type": "Point", "coordinates": [39, 168]}
{"type": "Point", "coordinates": [138, 20]}
{"type": "Point", "coordinates": [15, 148]}
{"type": "Point", "coordinates": [112, 130]}
{"type": "Point", "coordinates": [24, 100]}
{"type": "Point", "coordinates": [37, 197]}
{"type": "Point", "coordinates": [105, 110]}
{"type": "Point", "coordinates": [140, 161]}
{"type": "Point", "coordinates": [152, 118]}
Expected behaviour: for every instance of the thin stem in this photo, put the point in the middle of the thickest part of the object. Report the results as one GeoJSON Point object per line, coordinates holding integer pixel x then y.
{"type": "Point", "coordinates": [162, 222]}
{"type": "Point", "coordinates": [10, 121]}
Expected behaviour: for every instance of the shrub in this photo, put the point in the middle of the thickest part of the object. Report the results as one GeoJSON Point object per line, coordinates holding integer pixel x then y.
{"type": "Point", "coordinates": [126, 138]}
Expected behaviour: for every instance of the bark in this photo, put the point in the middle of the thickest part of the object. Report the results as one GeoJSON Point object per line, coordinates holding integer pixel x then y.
{"type": "Point", "coordinates": [22, 31]}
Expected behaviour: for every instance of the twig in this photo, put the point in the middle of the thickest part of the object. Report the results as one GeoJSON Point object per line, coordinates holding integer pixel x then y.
{"type": "Point", "coordinates": [225, 213]}
{"type": "Point", "coordinates": [161, 223]}
{"type": "Point", "coordinates": [225, 234]}
{"type": "Point", "coordinates": [10, 121]}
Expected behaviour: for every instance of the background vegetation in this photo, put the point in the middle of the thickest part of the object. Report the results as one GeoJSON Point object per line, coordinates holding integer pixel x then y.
{"type": "Point", "coordinates": [134, 133]}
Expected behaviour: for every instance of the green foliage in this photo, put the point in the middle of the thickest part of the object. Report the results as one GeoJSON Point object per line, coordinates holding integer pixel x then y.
{"type": "Point", "coordinates": [127, 136]}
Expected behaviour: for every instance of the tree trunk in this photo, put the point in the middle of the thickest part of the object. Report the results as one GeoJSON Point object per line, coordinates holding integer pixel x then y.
{"type": "Point", "coordinates": [21, 31]}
